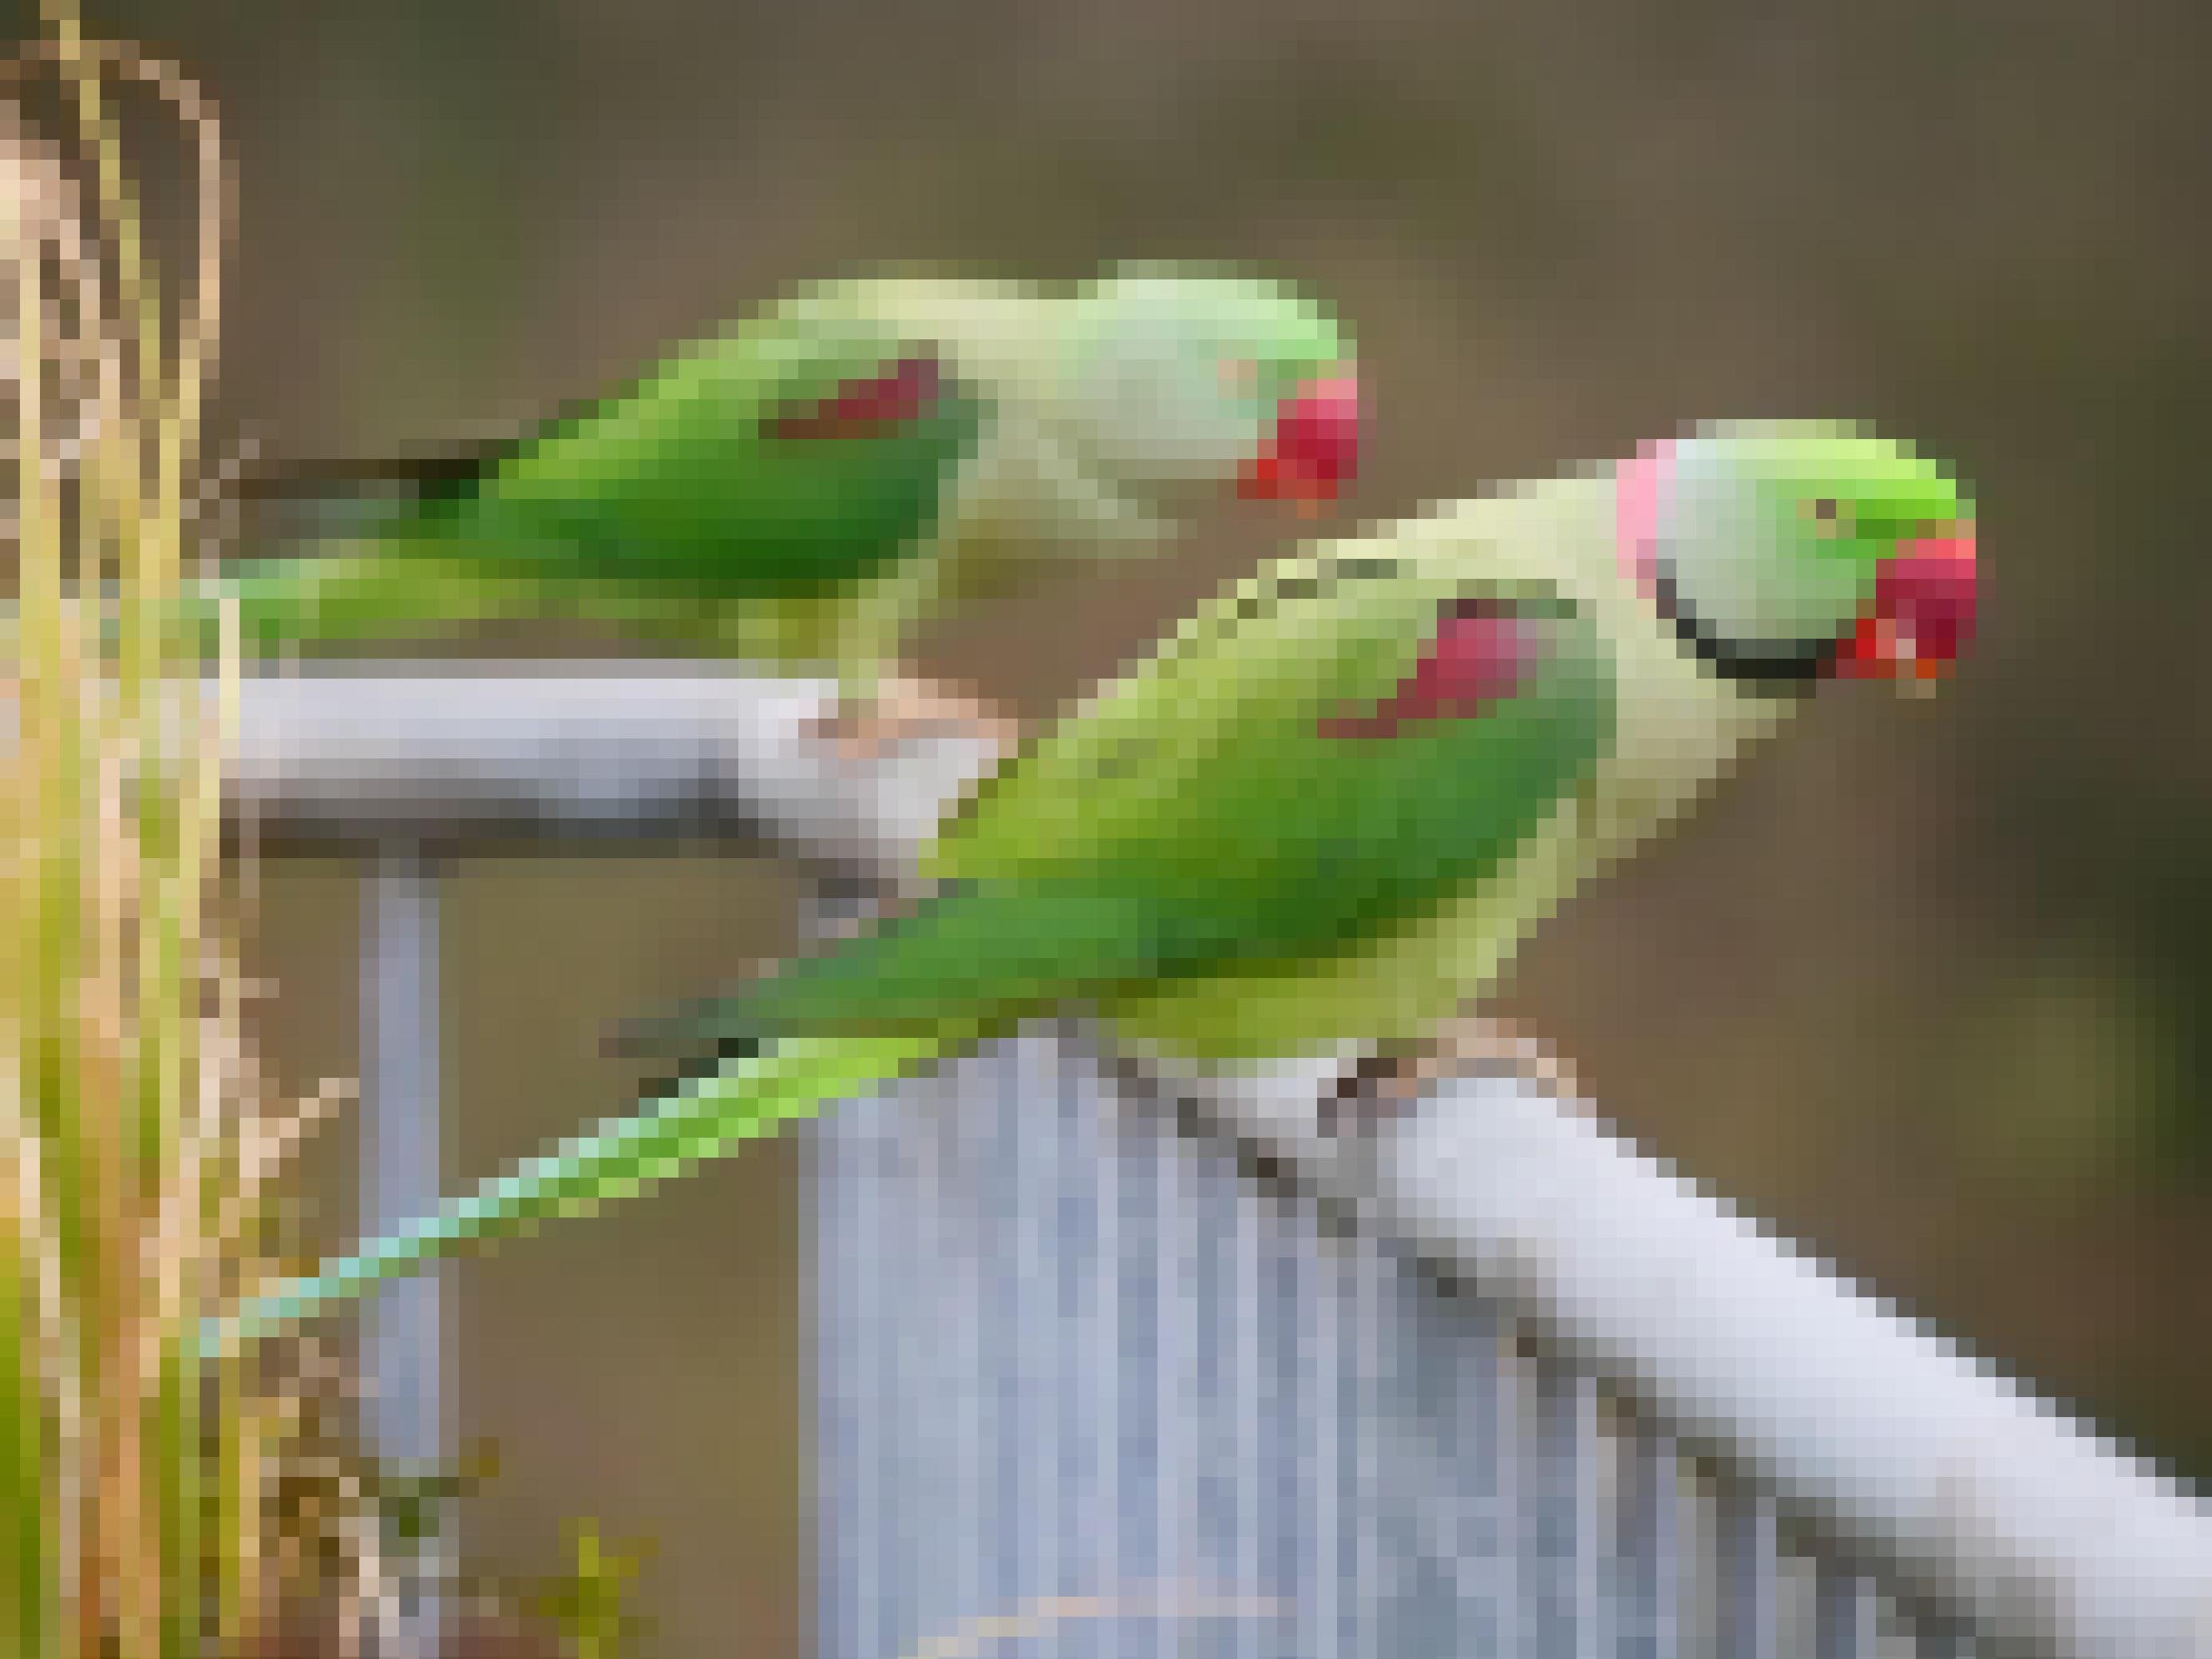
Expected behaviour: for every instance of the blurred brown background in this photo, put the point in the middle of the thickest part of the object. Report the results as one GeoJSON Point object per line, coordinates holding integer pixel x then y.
{"type": "Point", "coordinates": [1924, 988]}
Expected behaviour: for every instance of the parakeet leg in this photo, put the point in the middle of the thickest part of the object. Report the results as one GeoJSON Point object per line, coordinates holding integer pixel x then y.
{"type": "Point", "coordinates": [1384, 1083]}
{"type": "Point", "coordinates": [878, 707]}
{"type": "Point", "coordinates": [1377, 1086]}
{"type": "Point", "coordinates": [1478, 1046]}
{"type": "Point", "coordinates": [867, 725]}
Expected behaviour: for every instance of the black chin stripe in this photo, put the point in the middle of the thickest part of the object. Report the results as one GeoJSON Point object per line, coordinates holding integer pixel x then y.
{"type": "Point", "coordinates": [1788, 668]}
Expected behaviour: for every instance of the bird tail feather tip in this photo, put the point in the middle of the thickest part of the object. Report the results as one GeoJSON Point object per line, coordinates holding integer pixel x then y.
{"type": "Point", "coordinates": [704, 1117]}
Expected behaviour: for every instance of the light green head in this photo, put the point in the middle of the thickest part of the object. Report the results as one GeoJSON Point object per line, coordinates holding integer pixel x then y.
{"type": "Point", "coordinates": [1180, 377]}
{"type": "Point", "coordinates": [1794, 549]}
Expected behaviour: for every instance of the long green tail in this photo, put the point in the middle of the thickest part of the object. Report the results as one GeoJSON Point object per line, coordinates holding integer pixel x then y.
{"type": "Point", "coordinates": [705, 1118]}
{"type": "Point", "coordinates": [342, 597]}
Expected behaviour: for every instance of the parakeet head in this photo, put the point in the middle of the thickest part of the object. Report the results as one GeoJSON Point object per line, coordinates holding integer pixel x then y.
{"type": "Point", "coordinates": [1179, 380]}
{"type": "Point", "coordinates": [1792, 551]}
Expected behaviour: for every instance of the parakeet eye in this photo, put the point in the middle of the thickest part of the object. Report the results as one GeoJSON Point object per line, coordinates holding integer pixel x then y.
{"type": "Point", "coordinates": [1827, 513]}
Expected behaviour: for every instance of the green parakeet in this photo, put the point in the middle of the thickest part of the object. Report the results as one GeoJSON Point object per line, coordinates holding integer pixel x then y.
{"type": "Point", "coordinates": [810, 485]}
{"type": "Point", "coordinates": [1328, 808]}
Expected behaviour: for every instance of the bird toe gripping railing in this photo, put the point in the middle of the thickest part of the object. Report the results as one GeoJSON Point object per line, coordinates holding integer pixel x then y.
{"type": "Point", "coordinates": [1068, 1344]}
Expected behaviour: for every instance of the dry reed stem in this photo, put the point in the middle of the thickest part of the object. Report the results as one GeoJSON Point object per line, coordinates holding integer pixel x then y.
{"type": "Point", "coordinates": [132, 1198]}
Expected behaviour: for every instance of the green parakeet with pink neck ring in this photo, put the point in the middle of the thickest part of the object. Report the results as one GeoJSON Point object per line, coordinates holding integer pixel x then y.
{"type": "Point", "coordinates": [1328, 808]}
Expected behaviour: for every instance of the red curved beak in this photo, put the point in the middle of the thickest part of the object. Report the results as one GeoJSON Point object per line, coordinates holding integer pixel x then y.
{"type": "Point", "coordinates": [1314, 450]}
{"type": "Point", "coordinates": [1924, 611]}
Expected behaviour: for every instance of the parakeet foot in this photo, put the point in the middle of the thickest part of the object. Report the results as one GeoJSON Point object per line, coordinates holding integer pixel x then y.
{"type": "Point", "coordinates": [1488, 1048]}
{"type": "Point", "coordinates": [864, 731]}
{"type": "Point", "coordinates": [1383, 1084]}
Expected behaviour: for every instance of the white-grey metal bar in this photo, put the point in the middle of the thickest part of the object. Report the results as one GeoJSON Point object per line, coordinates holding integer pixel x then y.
{"type": "Point", "coordinates": [2051, 1539]}
{"type": "Point", "coordinates": [999, 1429]}
{"type": "Point", "coordinates": [2046, 1536]}
{"type": "Point", "coordinates": [1940, 1637]}
{"type": "Point", "coordinates": [1065, 1352]}
{"type": "Point", "coordinates": [1568, 1532]}
{"type": "Point", "coordinates": [1496, 1393]}
{"type": "Point", "coordinates": [1750, 1573]}
{"type": "Point", "coordinates": [1651, 1568]}
{"type": "Point", "coordinates": [403, 1324]}
{"type": "Point", "coordinates": [1845, 1623]}
{"type": "Point", "coordinates": [538, 752]}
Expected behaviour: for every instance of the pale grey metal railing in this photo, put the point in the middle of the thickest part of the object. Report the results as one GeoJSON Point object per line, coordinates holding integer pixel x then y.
{"type": "Point", "coordinates": [1064, 1347]}
{"type": "Point", "coordinates": [402, 1328]}
{"type": "Point", "coordinates": [1068, 1349]}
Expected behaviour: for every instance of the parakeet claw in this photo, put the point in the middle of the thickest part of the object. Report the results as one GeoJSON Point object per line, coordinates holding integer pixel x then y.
{"type": "Point", "coordinates": [870, 730]}
{"type": "Point", "coordinates": [1369, 1092]}
{"type": "Point", "coordinates": [1384, 1084]}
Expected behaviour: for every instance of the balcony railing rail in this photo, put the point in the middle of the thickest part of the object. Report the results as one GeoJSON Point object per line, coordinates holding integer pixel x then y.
{"type": "Point", "coordinates": [1489, 1382]}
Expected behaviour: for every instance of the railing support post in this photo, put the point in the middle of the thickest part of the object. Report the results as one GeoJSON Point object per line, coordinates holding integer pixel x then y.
{"type": "Point", "coordinates": [401, 1346]}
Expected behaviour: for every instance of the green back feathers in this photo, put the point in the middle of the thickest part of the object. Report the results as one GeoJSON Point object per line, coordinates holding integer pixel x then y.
{"type": "Point", "coordinates": [820, 443]}
{"type": "Point", "coordinates": [1195, 820]}
{"type": "Point", "coordinates": [747, 493]}
{"type": "Point", "coordinates": [749, 466]}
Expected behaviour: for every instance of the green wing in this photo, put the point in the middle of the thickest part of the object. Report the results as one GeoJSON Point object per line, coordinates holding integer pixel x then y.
{"type": "Point", "coordinates": [806, 449]}
{"type": "Point", "coordinates": [1199, 818]}
{"type": "Point", "coordinates": [765, 473]}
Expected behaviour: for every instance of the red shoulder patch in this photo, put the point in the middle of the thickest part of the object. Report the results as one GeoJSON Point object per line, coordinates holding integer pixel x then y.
{"type": "Point", "coordinates": [866, 406]}
{"type": "Point", "coordinates": [1482, 653]}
